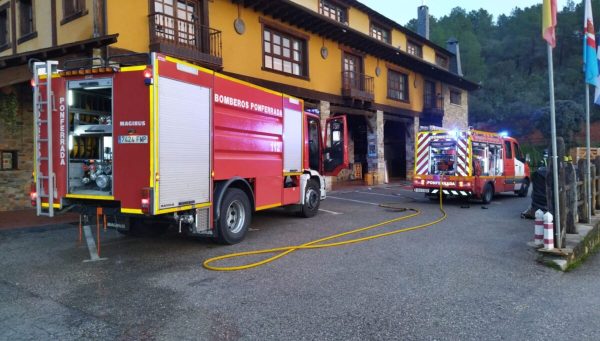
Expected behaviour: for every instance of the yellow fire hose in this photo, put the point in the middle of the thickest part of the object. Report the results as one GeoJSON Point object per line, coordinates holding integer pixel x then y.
{"type": "Point", "coordinates": [285, 250]}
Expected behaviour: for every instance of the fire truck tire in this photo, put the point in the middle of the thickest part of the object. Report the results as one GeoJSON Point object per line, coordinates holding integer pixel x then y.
{"type": "Point", "coordinates": [311, 200]}
{"type": "Point", "coordinates": [488, 194]}
{"type": "Point", "coordinates": [235, 217]}
{"type": "Point", "coordinates": [524, 189]}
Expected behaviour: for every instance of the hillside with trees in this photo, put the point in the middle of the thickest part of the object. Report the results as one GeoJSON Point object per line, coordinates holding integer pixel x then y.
{"type": "Point", "coordinates": [507, 56]}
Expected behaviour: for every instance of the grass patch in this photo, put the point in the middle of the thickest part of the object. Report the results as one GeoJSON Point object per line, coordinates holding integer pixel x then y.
{"type": "Point", "coordinates": [580, 260]}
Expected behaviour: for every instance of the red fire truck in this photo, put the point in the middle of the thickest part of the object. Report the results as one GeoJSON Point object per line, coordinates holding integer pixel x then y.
{"type": "Point", "coordinates": [469, 163]}
{"type": "Point", "coordinates": [167, 142]}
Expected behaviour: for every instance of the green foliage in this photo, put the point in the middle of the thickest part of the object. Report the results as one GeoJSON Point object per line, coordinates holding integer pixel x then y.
{"type": "Point", "coordinates": [536, 155]}
{"type": "Point", "coordinates": [569, 119]}
{"type": "Point", "coordinates": [508, 57]}
{"type": "Point", "coordinates": [8, 110]}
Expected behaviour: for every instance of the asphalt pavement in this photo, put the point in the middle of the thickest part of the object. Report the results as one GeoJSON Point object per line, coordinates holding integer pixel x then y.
{"type": "Point", "coordinates": [470, 277]}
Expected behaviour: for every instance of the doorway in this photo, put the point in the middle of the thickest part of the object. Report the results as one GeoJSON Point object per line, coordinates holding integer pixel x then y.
{"type": "Point", "coordinates": [394, 140]}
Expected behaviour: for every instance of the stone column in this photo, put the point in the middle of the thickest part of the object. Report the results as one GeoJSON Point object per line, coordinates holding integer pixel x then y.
{"type": "Point", "coordinates": [375, 146]}
{"type": "Point", "coordinates": [325, 112]}
{"type": "Point", "coordinates": [411, 140]}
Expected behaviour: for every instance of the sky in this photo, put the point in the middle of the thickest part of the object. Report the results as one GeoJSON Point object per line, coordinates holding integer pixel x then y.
{"type": "Point", "coordinates": [402, 11]}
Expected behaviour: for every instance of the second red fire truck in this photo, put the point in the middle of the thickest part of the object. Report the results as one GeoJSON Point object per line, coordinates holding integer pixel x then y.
{"type": "Point", "coordinates": [469, 164]}
{"type": "Point", "coordinates": [167, 142]}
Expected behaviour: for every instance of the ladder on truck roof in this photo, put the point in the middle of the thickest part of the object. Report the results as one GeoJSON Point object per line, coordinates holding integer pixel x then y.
{"type": "Point", "coordinates": [45, 184]}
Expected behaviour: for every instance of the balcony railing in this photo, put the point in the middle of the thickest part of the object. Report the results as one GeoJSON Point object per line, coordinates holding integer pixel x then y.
{"type": "Point", "coordinates": [356, 85]}
{"type": "Point", "coordinates": [185, 39]}
{"type": "Point", "coordinates": [433, 105]}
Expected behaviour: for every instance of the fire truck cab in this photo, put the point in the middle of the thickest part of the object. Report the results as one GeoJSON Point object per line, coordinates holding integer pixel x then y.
{"type": "Point", "coordinates": [157, 141]}
{"type": "Point", "coordinates": [469, 164]}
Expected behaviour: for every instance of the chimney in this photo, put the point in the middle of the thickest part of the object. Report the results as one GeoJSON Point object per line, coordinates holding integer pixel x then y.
{"type": "Point", "coordinates": [455, 66]}
{"type": "Point", "coordinates": [423, 22]}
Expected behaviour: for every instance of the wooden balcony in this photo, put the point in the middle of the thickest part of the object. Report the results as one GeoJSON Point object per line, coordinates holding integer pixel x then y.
{"type": "Point", "coordinates": [433, 106]}
{"type": "Point", "coordinates": [358, 86]}
{"type": "Point", "coordinates": [186, 39]}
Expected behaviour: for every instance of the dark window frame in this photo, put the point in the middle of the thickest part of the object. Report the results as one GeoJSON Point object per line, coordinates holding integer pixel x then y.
{"type": "Point", "coordinates": [509, 151]}
{"type": "Point", "coordinates": [70, 13]}
{"type": "Point", "coordinates": [179, 24]}
{"type": "Point", "coordinates": [518, 152]}
{"type": "Point", "coordinates": [414, 49]}
{"type": "Point", "coordinates": [397, 85]}
{"type": "Point", "coordinates": [26, 24]}
{"type": "Point", "coordinates": [14, 160]}
{"type": "Point", "coordinates": [334, 11]}
{"type": "Point", "coordinates": [455, 96]}
{"type": "Point", "coordinates": [6, 10]}
{"type": "Point", "coordinates": [380, 32]}
{"type": "Point", "coordinates": [293, 37]}
{"type": "Point", "coordinates": [442, 60]}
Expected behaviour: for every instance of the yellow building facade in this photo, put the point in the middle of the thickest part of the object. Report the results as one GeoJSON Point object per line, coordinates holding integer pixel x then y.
{"type": "Point", "coordinates": [340, 56]}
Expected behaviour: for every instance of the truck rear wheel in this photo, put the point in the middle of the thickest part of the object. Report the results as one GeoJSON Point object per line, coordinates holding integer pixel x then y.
{"type": "Point", "coordinates": [488, 194]}
{"type": "Point", "coordinates": [235, 217]}
{"type": "Point", "coordinates": [524, 189]}
{"type": "Point", "coordinates": [312, 200]}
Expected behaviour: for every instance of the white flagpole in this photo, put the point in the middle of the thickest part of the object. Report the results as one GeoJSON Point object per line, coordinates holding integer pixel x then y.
{"type": "Point", "coordinates": [588, 169]}
{"type": "Point", "coordinates": [554, 149]}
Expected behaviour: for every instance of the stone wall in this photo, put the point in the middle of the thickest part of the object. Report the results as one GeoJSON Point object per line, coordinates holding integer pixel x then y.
{"type": "Point", "coordinates": [455, 116]}
{"type": "Point", "coordinates": [15, 184]}
{"type": "Point", "coordinates": [411, 138]}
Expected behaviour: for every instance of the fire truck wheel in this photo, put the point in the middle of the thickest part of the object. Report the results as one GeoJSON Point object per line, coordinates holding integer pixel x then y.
{"type": "Point", "coordinates": [488, 194]}
{"type": "Point", "coordinates": [235, 217]}
{"type": "Point", "coordinates": [311, 200]}
{"type": "Point", "coordinates": [524, 189]}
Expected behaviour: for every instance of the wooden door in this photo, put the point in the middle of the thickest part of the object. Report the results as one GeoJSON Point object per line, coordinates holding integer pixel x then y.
{"type": "Point", "coordinates": [352, 71]}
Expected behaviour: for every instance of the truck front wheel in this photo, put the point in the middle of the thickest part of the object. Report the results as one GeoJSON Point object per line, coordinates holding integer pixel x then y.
{"type": "Point", "coordinates": [488, 194]}
{"type": "Point", "coordinates": [235, 217]}
{"type": "Point", "coordinates": [312, 200]}
{"type": "Point", "coordinates": [524, 189]}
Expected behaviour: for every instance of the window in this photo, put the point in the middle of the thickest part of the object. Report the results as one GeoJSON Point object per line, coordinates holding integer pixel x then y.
{"type": "Point", "coordinates": [177, 20]}
{"type": "Point", "coordinates": [4, 40]}
{"type": "Point", "coordinates": [397, 86]}
{"type": "Point", "coordinates": [333, 11]}
{"type": "Point", "coordinates": [508, 147]}
{"type": "Point", "coordinates": [414, 49]}
{"type": "Point", "coordinates": [380, 33]}
{"type": "Point", "coordinates": [73, 9]}
{"type": "Point", "coordinates": [284, 53]}
{"type": "Point", "coordinates": [518, 153]}
{"type": "Point", "coordinates": [455, 96]}
{"type": "Point", "coordinates": [8, 160]}
{"type": "Point", "coordinates": [441, 61]}
{"type": "Point", "coordinates": [430, 97]}
{"type": "Point", "coordinates": [26, 23]}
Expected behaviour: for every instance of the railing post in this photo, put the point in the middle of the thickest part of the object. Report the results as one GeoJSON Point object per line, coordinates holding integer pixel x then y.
{"type": "Point", "coordinates": [581, 168]}
{"type": "Point", "coordinates": [596, 181]}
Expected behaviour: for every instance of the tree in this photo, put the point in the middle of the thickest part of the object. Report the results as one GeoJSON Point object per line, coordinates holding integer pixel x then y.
{"type": "Point", "coordinates": [569, 120]}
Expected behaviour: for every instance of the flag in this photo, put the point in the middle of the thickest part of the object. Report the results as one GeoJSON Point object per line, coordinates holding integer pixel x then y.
{"type": "Point", "coordinates": [597, 91]}
{"type": "Point", "coordinates": [590, 59]}
{"type": "Point", "coordinates": [549, 22]}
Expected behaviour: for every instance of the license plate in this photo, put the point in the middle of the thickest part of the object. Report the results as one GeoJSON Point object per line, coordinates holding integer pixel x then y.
{"type": "Point", "coordinates": [421, 190]}
{"type": "Point", "coordinates": [133, 139]}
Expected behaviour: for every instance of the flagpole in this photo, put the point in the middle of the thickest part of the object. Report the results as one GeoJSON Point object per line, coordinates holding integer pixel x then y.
{"type": "Point", "coordinates": [554, 149]}
{"type": "Point", "coordinates": [588, 169]}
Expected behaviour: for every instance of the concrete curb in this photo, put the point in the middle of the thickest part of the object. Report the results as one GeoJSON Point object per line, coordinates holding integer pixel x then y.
{"type": "Point", "coordinates": [578, 247]}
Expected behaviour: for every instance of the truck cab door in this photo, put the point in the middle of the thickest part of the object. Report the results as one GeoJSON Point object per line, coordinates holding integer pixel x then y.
{"type": "Point", "coordinates": [335, 154]}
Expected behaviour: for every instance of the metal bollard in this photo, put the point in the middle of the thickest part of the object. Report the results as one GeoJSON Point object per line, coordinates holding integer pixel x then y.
{"type": "Point", "coordinates": [548, 231]}
{"type": "Point", "coordinates": [539, 228]}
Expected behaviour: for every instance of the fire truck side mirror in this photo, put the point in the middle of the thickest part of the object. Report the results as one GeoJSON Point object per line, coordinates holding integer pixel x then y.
{"type": "Point", "coordinates": [527, 158]}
